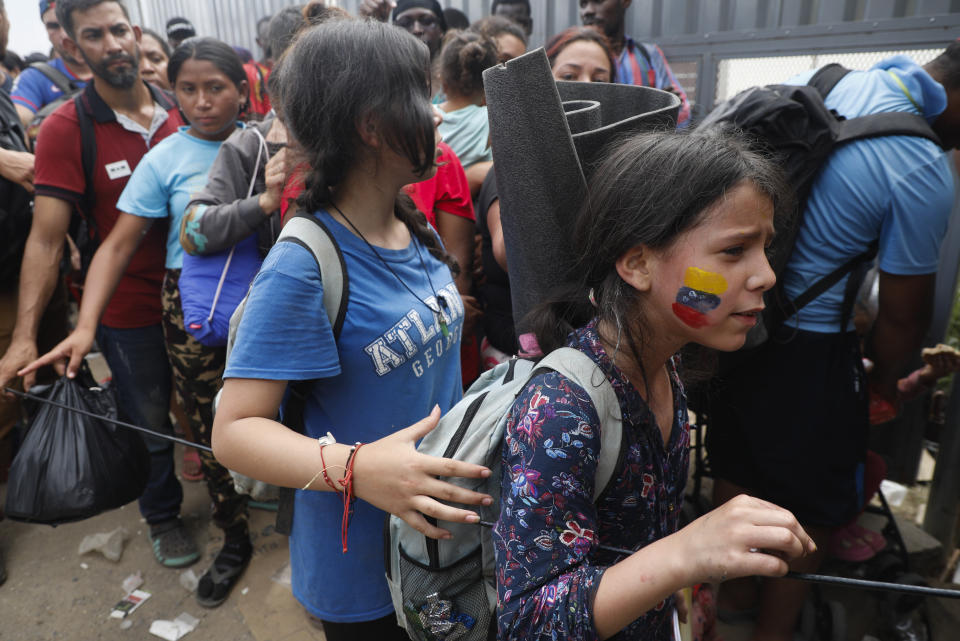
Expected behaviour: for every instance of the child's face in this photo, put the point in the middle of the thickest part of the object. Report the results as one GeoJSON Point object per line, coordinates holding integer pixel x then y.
{"type": "Point", "coordinates": [708, 287]}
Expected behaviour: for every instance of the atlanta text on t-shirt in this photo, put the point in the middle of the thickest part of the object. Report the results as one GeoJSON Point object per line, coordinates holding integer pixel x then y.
{"type": "Point", "coordinates": [412, 340]}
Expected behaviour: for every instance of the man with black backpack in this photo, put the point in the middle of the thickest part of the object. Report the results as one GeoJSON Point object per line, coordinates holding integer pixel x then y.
{"type": "Point", "coordinates": [86, 152]}
{"type": "Point", "coordinates": [45, 83]}
{"type": "Point", "coordinates": [788, 421]}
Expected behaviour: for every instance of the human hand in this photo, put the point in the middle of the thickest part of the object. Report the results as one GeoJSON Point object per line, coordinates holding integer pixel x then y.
{"type": "Point", "coordinates": [275, 177]}
{"type": "Point", "coordinates": [391, 475]}
{"type": "Point", "coordinates": [73, 348]}
{"type": "Point", "coordinates": [939, 361]}
{"type": "Point", "coordinates": [17, 166]}
{"type": "Point", "coordinates": [743, 537]}
{"type": "Point", "coordinates": [379, 9]}
{"type": "Point", "coordinates": [19, 353]}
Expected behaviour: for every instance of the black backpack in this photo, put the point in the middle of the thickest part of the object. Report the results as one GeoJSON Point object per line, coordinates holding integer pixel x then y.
{"type": "Point", "coordinates": [16, 203]}
{"type": "Point", "coordinates": [793, 124]}
{"type": "Point", "coordinates": [64, 83]}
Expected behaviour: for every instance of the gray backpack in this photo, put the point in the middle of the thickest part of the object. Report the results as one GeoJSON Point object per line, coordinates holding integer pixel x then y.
{"type": "Point", "coordinates": [446, 589]}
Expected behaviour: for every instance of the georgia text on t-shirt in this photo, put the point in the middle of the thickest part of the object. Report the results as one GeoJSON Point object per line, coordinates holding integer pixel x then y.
{"type": "Point", "coordinates": [400, 343]}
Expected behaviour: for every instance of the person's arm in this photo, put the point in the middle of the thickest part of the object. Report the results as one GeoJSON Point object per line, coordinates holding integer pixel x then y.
{"type": "Point", "coordinates": [222, 214]}
{"type": "Point", "coordinates": [27, 94]}
{"type": "Point", "coordinates": [26, 116]}
{"type": "Point", "coordinates": [17, 167]}
{"type": "Point", "coordinates": [496, 234]}
{"type": "Point", "coordinates": [107, 267]}
{"type": "Point", "coordinates": [919, 205]}
{"type": "Point", "coordinates": [547, 533]}
{"type": "Point", "coordinates": [38, 278]}
{"type": "Point", "coordinates": [457, 234]}
{"type": "Point", "coordinates": [668, 82]}
{"type": "Point", "coordinates": [389, 473]}
{"type": "Point", "coordinates": [476, 174]}
{"type": "Point", "coordinates": [903, 315]}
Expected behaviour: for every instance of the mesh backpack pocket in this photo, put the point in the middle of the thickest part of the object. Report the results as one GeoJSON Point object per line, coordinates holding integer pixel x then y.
{"type": "Point", "coordinates": [446, 603]}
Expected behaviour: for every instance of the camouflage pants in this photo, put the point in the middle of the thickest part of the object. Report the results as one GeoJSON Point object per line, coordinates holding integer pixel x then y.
{"type": "Point", "coordinates": [197, 375]}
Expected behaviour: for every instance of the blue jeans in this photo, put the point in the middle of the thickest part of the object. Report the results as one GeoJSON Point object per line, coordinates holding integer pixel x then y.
{"type": "Point", "coordinates": [141, 373]}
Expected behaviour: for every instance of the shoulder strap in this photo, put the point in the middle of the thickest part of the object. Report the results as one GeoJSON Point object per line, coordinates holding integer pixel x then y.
{"type": "Point", "coordinates": [57, 77]}
{"type": "Point", "coordinates": [825, 283]}
{"type": "Point", "coordinates": [894, 123]}
{"type": "Point", "coordinates": [88, 158]}
{"type": "Point", "coordinates": [309, 232]}
{"type": "Point", "coordinates": [890, 123]}
{"type": "Point", "coordinates": [164, 98]}
{"type": "Point", "coordinates": [827, 77]}
{"type": "Point", "coordinates": [581, 369]}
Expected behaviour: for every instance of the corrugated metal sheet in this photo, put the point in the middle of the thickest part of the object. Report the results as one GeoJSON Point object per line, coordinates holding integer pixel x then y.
{"type": "Point", "coordinates": [234, 21]}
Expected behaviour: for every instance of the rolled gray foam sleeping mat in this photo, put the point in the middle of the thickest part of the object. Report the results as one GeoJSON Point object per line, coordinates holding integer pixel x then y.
{"type": "Point", "coordinates": [546, 138]}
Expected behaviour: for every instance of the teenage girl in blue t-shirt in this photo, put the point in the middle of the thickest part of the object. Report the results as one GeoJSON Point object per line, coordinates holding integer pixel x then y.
{"type": "Point", "coordinates": [355, 96]}
{"type": "Point", "coordinates": [211, 88]}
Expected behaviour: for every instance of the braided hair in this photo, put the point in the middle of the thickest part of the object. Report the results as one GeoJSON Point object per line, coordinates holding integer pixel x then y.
{"type": "Point", "coordinates": [322, 96]}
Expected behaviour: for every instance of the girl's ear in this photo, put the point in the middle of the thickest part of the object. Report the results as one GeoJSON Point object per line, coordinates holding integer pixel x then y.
{"type": "Point", "coordinates": [368, 128]}
{"type": "Point", "coordinates": [636, 267]}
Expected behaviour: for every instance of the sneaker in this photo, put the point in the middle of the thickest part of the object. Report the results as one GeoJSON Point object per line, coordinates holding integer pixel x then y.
{"type": "Point", "coordinates": [215, 585]}
{"type": "Point", "coordinates": [172, 546]}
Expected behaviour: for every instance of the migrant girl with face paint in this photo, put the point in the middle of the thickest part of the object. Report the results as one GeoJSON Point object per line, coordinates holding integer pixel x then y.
{"type": "Point", "coordinates": [211, 88]}
{"type": "Point", "coordinates": [671, 250]}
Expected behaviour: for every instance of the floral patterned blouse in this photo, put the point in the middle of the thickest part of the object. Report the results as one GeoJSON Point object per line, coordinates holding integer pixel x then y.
{"type": "Point", "coordinates": [547, 561]}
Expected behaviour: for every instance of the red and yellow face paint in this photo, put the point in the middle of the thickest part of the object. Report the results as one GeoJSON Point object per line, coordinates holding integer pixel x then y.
{"type": "Point", "coordinates": [699, 295]}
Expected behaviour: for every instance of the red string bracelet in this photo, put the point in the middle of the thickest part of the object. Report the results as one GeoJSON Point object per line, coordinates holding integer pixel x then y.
{"type": "Point", "coordinates": [347, 483]}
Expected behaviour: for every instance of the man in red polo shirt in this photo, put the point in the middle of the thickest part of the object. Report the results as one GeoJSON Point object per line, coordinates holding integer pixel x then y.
{"type": "Point", "coordinates": [127, 116]}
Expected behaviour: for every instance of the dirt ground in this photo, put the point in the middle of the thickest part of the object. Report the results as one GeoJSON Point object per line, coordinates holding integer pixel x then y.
{"type": "Point", "coordinates": [53, 593]}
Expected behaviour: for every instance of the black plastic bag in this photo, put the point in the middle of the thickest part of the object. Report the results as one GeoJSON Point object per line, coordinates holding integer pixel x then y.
{"type": "Point", "coordinates": [71, 466]}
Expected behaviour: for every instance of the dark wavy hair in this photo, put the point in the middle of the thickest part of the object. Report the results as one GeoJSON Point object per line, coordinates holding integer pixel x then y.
{"type": "Point", "coordinates": [463, 59]}
{"type": "Point", "coordinates": [649, 190]}
{"type": "Point", "coordinates": [323, 103]}
{"type": "Point", "coordinates": [565, 38]}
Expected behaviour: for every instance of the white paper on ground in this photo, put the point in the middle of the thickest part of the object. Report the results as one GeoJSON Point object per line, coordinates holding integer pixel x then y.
{"type": "Point", "coordinates": [189, 580]}
{"type": "Point", "coordinates": [176, 629]}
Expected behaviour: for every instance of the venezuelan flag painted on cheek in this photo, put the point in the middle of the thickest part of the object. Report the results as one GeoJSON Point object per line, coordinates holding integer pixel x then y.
{"type": "Point", "coordinates": [699, 295]}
